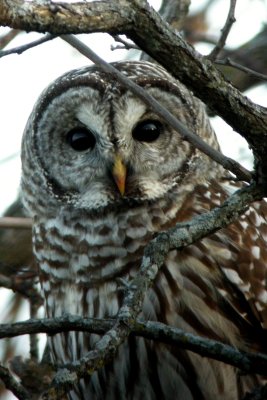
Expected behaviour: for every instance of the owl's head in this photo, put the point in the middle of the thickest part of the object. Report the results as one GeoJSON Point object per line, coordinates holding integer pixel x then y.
{"type": "Point", "coordinates": [90, 142]}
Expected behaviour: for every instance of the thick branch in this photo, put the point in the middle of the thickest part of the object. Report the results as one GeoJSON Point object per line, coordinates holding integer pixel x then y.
{"type": "Point", "coordinates": [15, 223]}
{"type": "Point", "coordinates": [63, 17]}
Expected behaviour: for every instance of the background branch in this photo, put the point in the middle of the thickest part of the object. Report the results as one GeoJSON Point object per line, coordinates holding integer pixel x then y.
{"type": "Point", "coordinates": [228, 62]}
{"type": "Point", "coordinates": [16, 222]}
{"type": "Point", "coordinates": [225, 32]}
{"type": "Point", "coordinates": [14, 386]}
{"type": "Point", "coordinates": [21, 49]}
{"type": "Point", "coordinates": [8, 37]}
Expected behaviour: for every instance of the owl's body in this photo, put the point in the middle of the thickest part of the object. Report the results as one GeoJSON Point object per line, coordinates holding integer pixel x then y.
{"type": "Point", "coordinates": [102, 175]}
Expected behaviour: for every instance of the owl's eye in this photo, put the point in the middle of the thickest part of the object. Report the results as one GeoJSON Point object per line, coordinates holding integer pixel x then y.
{"type": "Point", "coordinates": [147, 131]}
{"type": "Point", "coordinates": [81, 139]}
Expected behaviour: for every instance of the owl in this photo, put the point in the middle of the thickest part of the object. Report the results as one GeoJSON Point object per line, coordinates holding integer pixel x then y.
{"type": "Point", "coordinates": [102, 174]}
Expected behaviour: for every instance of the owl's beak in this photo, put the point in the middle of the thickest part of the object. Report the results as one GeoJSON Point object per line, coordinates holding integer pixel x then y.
{"type": "Point", "coordinates": [119, 174]}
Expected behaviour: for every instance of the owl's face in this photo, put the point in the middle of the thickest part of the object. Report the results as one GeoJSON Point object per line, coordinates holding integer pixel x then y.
{"type": "Point", "coordinates": [92, 142]}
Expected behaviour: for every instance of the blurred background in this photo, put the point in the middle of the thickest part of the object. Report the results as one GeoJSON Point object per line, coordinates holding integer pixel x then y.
{"type": "Point", "coordinates": [23, 77]}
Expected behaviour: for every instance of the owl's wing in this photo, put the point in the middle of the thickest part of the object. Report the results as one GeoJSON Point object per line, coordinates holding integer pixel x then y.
{"type": "Point", "coordinates": [228, 270]}
{"type": "Point", "coordinates": [247, 267]}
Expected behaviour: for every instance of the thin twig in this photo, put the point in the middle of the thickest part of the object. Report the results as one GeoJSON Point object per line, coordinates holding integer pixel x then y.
{"type": "Point", "coordinates": [9, 158]}
{"type": "Point", "coordinates": [125, 44]}
{"type": "Point", "coordinates": [13, 385]}
{"type": "Point", "coordinates": [21, 49]}
{"type": "Point", "coordinates": [195, 140]}
{"type": "Point", "coordinates": [8, 37]}
{"type": "Point", "coordinates": [201, 37]}
{"type": "Point", "coordinates": [15, 223]}
{"type": "Point", "coordinates": [225, 32]}
{"type": "Point", "coordinates": [228, 62]}
{"type": "Point", "coordinates": [24, 285]}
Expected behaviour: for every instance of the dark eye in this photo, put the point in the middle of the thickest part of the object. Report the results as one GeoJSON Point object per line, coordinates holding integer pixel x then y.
{"type": "Point", "coordinates": [81, 139]}
{"type": "Point", "coordinates": [147, 131]}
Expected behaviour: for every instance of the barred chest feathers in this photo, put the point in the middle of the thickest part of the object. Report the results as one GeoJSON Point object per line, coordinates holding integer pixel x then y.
{"type": "Point", "coordinates": [80, 262]}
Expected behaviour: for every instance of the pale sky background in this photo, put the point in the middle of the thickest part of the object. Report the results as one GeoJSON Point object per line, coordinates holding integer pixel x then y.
{"type": "Point", "coordinates": [23, 77]}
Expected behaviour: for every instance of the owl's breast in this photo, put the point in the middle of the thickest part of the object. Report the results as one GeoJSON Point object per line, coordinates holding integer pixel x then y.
{"type": "Point", "coordinates": [85, 256]}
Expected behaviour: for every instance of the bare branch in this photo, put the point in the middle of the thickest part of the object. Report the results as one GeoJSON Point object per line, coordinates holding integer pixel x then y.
{"type": "Point", "coordinates": [21, 49]}
{"type": "Point", "coordinates": [252, 55]}
{"type": "Point", "coordinates": [174, 12]}
{"type": "Point", "coordinates": [8, 37]}
{"type": "Point", "coordinates": [65, 17]}
{"type": "Point", "coordinates": [13, 385]}
{"type": "Point", "coordinates": [11, 156]}
{"type": "Point", "coordinates": [195, 140]}
{"type": "Point", "coordinates": [22, 284]}
{"type": "Point", "coordinates": [125, 44]}
{"type": "Point", "coordinates": [245, 361]}
{"type": "Point", "coordinates": [225, 32]}
{"type": "Point", "coordinates": [15, 223]}
{"type": "Point", "coordinates": [227, 61]}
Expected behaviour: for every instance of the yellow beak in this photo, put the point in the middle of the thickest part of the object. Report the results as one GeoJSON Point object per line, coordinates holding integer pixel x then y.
{"type": "Point", "coordinates": [119, 174]}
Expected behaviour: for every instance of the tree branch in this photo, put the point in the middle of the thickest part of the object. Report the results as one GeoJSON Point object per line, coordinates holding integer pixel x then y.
{"type": "Point", "coordinates": [231, 63]}
{"type": "Point", "coordinates": [225, 32]}
{"type": "Point", "coordinates": [8, 37]}
{"type": "Point", "coordinates": [21, 49]}
{"type": "Point", "coordinates": [15, 223]}
{"type": "Point", "coordinates": [63, 17]}
{"type": "Point", "coordinates": [251, 55]}
{"type": "Point", "coordinates": [125, 44]}
{"type": "Point", "coordinates": [245, 361]}
{"type": "Point", "coordinates": [11, 384]}
{"type": "Point", "coordinates": [24, 285]}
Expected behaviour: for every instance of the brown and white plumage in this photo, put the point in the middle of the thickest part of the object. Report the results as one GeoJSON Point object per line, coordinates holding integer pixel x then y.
{"type": "Point", "coordinates": [97, 203]}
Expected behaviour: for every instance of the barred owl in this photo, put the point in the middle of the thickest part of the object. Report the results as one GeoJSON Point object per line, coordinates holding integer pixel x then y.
{"type": "Point", "coordinates": [102, 175]}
